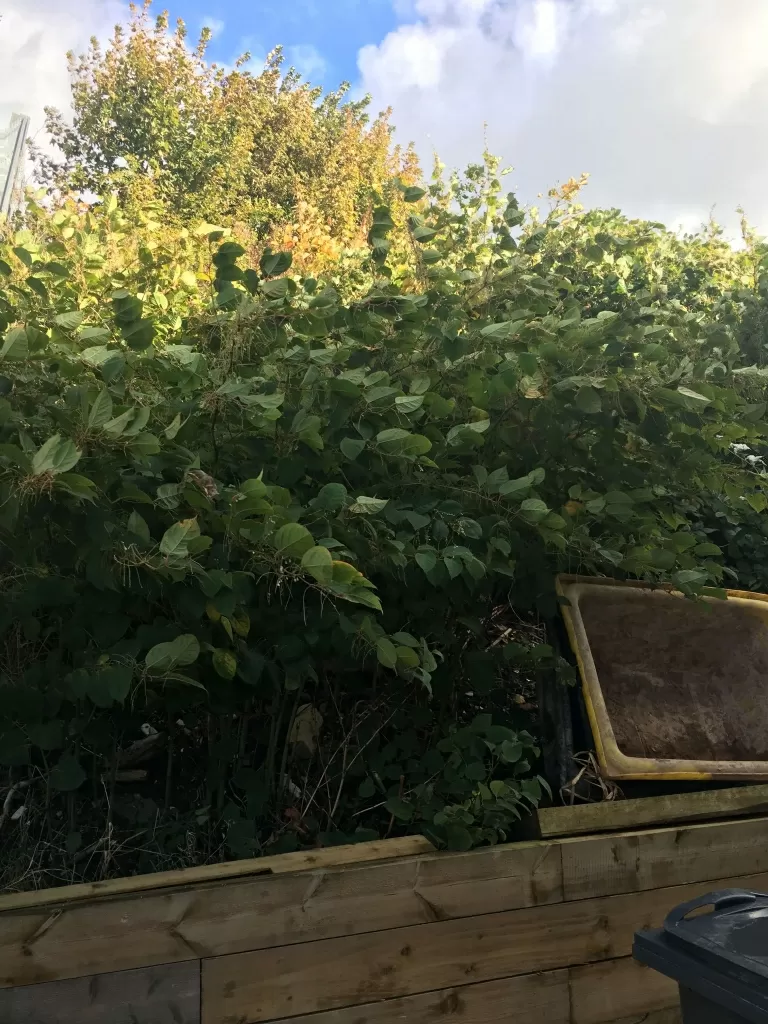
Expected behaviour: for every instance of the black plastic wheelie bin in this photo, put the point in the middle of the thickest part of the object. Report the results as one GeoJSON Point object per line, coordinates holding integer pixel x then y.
{"type": "Point", "coordinates": [716, 948]}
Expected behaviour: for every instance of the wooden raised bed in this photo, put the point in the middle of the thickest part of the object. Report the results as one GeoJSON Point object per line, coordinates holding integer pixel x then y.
{"type": "Point", "coordinates": [530, 933]}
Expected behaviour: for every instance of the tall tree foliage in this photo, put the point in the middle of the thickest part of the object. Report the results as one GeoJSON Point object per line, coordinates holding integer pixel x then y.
{"type": "Point", "coordinates": [152, 114]}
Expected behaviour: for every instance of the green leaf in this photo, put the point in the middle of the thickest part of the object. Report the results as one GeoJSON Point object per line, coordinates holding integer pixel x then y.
{"type": "Point", "coordinates": [37, 287]}
{"type": "Point", "coordinates": [224, 663]}
{"type": "Point", "coordinates": [412, 194]}
{"type": "Point", "coordinates": [426, 560]}
{"type": "Point", "coordinates": [118, 679]}
{"type": "Point", "coordinates": [174, 427]}
{"type": "Point", "coordinates": [366, 789]}
{"type": "Point", "coordinates": [55, 270]}
{"type": "Point", "coordinates": [458, 837]}
{"type": "Point", "coordinates": [15, 346]}
{"type": "Point", "coordinates": [690, 577]}
{"type": "Point", "coordinates": [162, 658]}
{"type": "Point", "coordinates": [139, 334]}
{"type": "Point", "coordinates": [407, 657]}
{"type": "Point", "coordinates": [402, 810]}
{"type": "Point", "coordinates": [396, 441]}
{"type": "Point", "coordinates": [227, 297]}
{"type": "Point", "coordinates": [331, 497]}
{"type": "Point", "coordinates": [277, 289]}
{"type": "Point", "coordinates": [502, 331]}
{"type": "Point", "coordinates": [318, 562]}
{"type": "Point", "coordinates": [359, 595]}
{"type": "Point", "coordinates": [78, 486]}
{"type": "Point", "coordinates": [351, 447]}
{"type": "Point", "coordinates": [368, 506]}
{"type": "Point", "coordinates": [405, 639]}
{"type": "Point", "coordinates": [251, 280]}
{"type": "Point", "coordinates": [273, 263]}
{"type": "Point", "coordinates": [707, 550]}
{"type": "Point", "coordinates": [534, 510]}
{"type": "Point", "coordinates": [511, 751]}
{"type": "Point", "coordinates": [757, 501]}
{"type": "Point", "coordinates": [69, 321]}
{"type": "Point", "coordinates": [67, 774]}
{"type": "Point", "coordinates": [454, 566]}
{"type": "Point", "coordinates": [101, 410]}
{"type": "Point", "coordinates": [293, 540]}
{"type": "Point", "coordinates": [469, 528]}
{"type": "Point", "coordinates": [175, 541]}
{"type": "Point", "coordinates": [419, 385]}
{"type": "Point", "coordinates": [57, 455]}
{"type": "Point", "coordinates": [695, 399]}
{"type": "Point", "coordinates": [138, 526]}
{"type": "Point", "coordinates": [386, 652]}
{"type": "Point", "coordinates": [23, 254]}
{"type": "Point", "coordinates": [515, 488]}
{"type": "Point", "coordinates": [116, 426]}
{"type": "Point", "coordinates": [588, 400]}
{"type": "Point", "coordinates": [407, 404]}
{"type": "Point", "coordinates": [228, 252]}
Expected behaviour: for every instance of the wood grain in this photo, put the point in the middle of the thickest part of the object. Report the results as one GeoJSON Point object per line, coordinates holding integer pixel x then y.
{"type": "Point", "coordinates": [618, 815]}
{"type": "Point", "coordinates": [672, 1015]}
{"type": "Point", "coordinates": [285, 982]}
{"type": "Point", "coordinates": [308, 860]}
{"type": "Point", "coordinates": [531, 999]}
{"type": "Point", "coordinates": [618, 990]}
{"type": "Point", "coordinates": [636, 861]}
{"type": "Point", "coordinates": [583, 995]}
{"type": "Point", "coordinates": [168, 994]}
{"type": "Point", "coordinates": [162, 927]}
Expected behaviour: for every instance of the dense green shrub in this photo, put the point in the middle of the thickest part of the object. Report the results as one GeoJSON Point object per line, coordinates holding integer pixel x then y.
{"type": "Point", "coordinates": [272, 529]}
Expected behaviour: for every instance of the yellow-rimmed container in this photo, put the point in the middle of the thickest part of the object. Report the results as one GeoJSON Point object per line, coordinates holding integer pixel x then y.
{"type": "Point", "coordinates": [674, 689]}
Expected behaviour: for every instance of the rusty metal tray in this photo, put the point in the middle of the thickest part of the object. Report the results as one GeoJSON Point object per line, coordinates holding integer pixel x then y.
{"type": "Point", "coordinates": [674, 688]}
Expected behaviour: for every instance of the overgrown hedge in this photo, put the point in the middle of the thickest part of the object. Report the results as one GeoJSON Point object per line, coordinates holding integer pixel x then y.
{"type": "Point", "coordinates": [254, 538]}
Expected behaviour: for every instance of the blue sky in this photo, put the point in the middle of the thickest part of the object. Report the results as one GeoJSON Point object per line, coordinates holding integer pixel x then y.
{"type": "Point", "coordinates": [321, 37]}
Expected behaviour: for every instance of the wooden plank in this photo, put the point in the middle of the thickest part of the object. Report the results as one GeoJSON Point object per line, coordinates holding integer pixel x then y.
{"type": "Point", "coordinates": [672, 1015]}
{"type": "Point", "coordinates": [489, 880]}
{"type": "Point", "coordinates": [308, 860]}
{"type": "Point", "coordinates": [618, 990]}
{"type": "Point", "coordinates": [619, 815]}
{"type": "Point", "coordinates": [157, 995]}
{"type": "Point", "coordinates": [585, 995]}
{"type": "Point", "coordinates": [164, 926]}
{"type": "Point", "coordinates": [286, 981]}
{"type": "Point", "coordinates": [635, 861]}
{"type": "Point", "coordinates": [530, 999]}
{"type": "Point", "coordinates": [161, 927]}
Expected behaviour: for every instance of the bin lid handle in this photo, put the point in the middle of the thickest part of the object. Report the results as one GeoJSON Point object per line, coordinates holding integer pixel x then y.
{"type": "Point", "coordinates": [719, 900]}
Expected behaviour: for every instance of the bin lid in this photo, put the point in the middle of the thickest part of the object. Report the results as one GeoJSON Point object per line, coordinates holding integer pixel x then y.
{"type": "Point", "coordinates": [734, 929]}
{"type": "Point", "coordinates": [716, 944]}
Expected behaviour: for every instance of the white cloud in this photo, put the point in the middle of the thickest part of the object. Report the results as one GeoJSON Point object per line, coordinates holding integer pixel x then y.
{"type": "Point", "coordinates": [34, 38]}
{"type": "Point", "coordinates": [215, 25]}
{"type": "Point", "coordinates": [307, 60]}
{"type": "Point", "coordinates": [664, 103]}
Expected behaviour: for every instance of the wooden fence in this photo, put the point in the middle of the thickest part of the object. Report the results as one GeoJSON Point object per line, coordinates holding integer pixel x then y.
{"type": "Point", "coordinates": [530, 933]}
